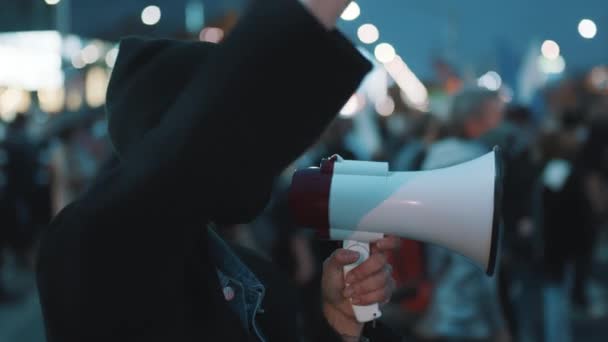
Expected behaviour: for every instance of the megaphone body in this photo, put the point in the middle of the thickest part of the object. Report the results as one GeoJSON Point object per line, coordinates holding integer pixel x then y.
{"type": "Point", "coordinates": [359, 202]}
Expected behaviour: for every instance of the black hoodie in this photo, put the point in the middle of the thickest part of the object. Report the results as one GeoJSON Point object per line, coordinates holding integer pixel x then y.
{"type": "Point", "coordinates": [201, 131]}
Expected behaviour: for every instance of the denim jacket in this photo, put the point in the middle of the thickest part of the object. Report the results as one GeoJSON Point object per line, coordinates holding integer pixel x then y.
{"type": "Point", "coordinates": [242, 289]}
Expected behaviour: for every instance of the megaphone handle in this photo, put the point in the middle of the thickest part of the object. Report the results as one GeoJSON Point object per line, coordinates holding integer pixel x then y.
{"type": "Point", "coordinates": [369, 312]}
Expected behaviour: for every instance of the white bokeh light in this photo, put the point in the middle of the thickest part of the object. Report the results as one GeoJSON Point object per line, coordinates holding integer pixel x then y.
{"type": "Point", "coordinates": [31, 60]}
{"type": "Point", "coordinates": [150, 15]}
{"type": "Point", "coordinates": [111, 57]}
{"type": "Point", "coordinates": [587, 29]}
{"type": "Point", "coordinates": [52, 2]}
{"type": "Point", "coordinates": [490, 80]}
{"type": "Point", "coordinates": [550, 49]}
{"type": "Point", "coordinates": [90, 54]}
{"type": "Point", "coordinates": [71, 46]}
{"type": "Point", "coordinates": [413, 91]}
{"type": "Point", "coordinates": [51, 100]}
{"type": "Point", "coordinates": [552, 66]}
{"type": "Point", "coordinates": [386, 107]}
{"type": "Point", "coordinates": [351, 12]}
{"type": "Point", "coordinates": [96, 83]}
{"type": "Point", "coordinates": [385, 53]}
{"type": "Point", "coordinates": [13, 101]}
{"type": "Point", "coordinates": [368, 33]}
{"type": "Point", "coordinates": [77, 61]}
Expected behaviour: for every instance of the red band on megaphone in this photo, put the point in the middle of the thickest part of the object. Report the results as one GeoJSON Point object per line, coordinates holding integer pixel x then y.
{"type": "Point", "coordinates": [309, 197]}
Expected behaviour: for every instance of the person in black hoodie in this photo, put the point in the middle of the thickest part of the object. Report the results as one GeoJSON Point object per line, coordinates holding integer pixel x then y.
{"type": "Point", "coordinates": [133, 259]}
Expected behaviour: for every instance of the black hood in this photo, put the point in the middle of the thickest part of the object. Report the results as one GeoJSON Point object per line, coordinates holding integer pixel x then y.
{"type": "Point", "coordinates": [146, 80]}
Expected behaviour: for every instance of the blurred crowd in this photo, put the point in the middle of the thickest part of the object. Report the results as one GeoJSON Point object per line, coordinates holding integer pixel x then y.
{"type": "Point", "coordinates": [554, 210]}
{"type": "Point", "coordinates": [44, 165]}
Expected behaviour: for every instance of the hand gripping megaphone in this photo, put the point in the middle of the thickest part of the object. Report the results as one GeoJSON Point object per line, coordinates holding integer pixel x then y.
{"type": "Point", "coordinates": [358, 202]}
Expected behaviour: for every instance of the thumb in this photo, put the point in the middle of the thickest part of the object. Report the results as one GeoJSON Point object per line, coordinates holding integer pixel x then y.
{"type": "Point", "coordinates": [342, 257]}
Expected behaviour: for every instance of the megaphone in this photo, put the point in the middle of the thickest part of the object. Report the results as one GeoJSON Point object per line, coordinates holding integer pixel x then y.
{"type": "Point", "coordinates": [457, 207]}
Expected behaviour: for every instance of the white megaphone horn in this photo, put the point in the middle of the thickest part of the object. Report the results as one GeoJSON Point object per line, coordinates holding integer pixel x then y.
{"type": "Point", "coordinates": [457, 207]}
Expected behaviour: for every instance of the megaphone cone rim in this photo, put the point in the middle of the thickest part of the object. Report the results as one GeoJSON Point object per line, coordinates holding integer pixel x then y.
{"type": "Point", "coordinates": [497, 217]}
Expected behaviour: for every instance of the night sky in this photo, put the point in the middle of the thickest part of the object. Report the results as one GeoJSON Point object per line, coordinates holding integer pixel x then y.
{"type": "Point", "coordinates": [473, 35]}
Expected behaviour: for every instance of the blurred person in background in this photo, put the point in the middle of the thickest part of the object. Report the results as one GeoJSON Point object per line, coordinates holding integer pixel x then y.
{"type": "Point", "coordinates": [425, 131]}
{"type": "Point", "coordinates": [73, 164]}
{"type": "Point", "coordinates": [560, 146]}
{"type": "Point", "coordinates": [394, 131]}
{"type": "Point", "coordinates": [136, 256]}
{"type": "Point", "coordinates": [575, 202]}
{"type": "Point", "coordinates": [522, 117]}
{"type": "Point", "coordinates": [398, 128]}
{"type": "Point", "coordinates": [521, 241]}
{"type": "Point", "coordinates": [465, 304]}
{"type": "Point", "coordinates": [27, 196]}
{"type": "Point", "coordinates": [593, 164]}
